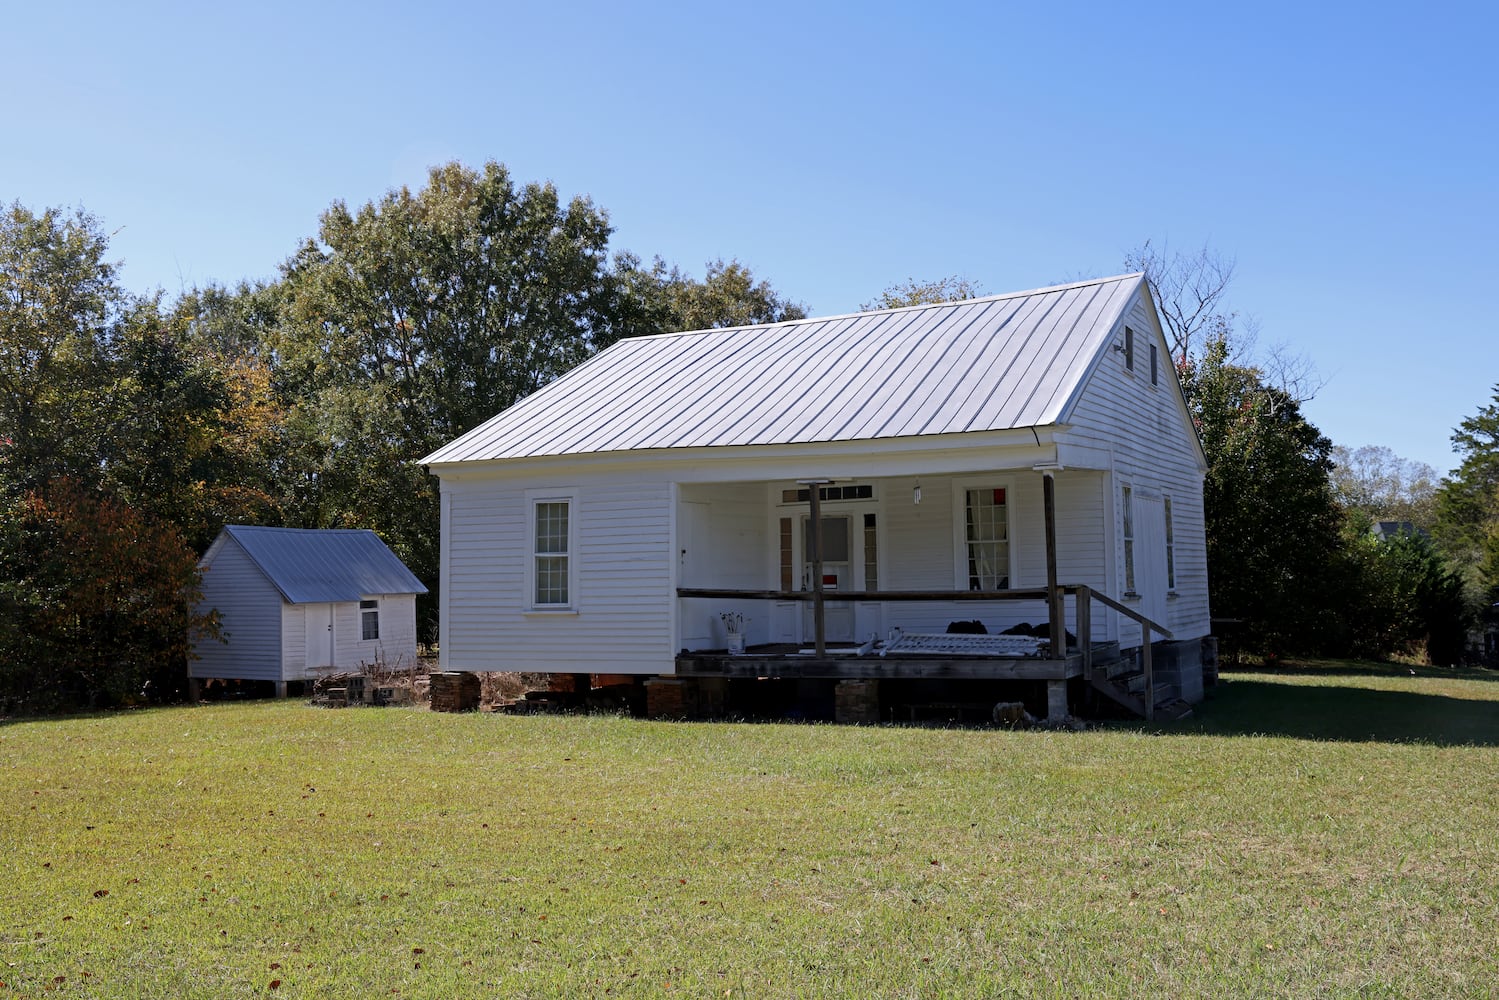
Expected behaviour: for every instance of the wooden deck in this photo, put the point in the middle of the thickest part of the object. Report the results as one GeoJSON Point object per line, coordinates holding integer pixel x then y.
{"type": "Point", "coordinates": [787, 662]}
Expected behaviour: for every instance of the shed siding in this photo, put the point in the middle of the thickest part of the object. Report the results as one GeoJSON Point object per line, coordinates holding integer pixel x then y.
{"type": "Point", "coordinates": [624, 578]}
{"type": "Point", "coordinates": [1150, 440]}
{"type": "Point", "coordinates": [293, 642]}
{"type": "Point", "coordinates": [250, 616]}
{"type": "Point", "coordinates": [396, 646]}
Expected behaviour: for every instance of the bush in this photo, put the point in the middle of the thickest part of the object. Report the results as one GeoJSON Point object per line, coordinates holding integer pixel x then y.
{"type": "Point", "coordinates": [98, 603]}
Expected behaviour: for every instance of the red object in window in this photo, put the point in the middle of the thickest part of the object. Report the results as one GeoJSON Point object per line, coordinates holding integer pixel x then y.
{"type": "Point", "coordinates": [999, 498]}
{"type": "Point", "coordinates": [830, 579]}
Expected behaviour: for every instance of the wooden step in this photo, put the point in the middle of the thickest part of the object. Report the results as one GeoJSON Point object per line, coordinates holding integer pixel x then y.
{"type": "Point", "coordinates": [1172, 711]}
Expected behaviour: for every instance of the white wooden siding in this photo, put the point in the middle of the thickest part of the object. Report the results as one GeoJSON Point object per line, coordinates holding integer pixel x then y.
{"type": "Point", "coordinates": [742, 557]}
{"type": "Point", "coordinates": [293, 642]}
{"type": "Point", "coordinates": [622, 616]}
{"type": "Point", "coordinates": [396, 646]}
{"type": "Point", "coordinates": [1147, 434]}
{"type": "Point", "coordinates": [250, 616]}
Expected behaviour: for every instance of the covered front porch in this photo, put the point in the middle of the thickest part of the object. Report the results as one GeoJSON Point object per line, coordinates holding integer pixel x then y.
{"type": "Point", "coordinates": [868, 579]}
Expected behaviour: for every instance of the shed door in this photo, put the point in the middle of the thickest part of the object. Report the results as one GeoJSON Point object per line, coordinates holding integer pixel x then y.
{"type": "Point", "coordinates": [318, 619]}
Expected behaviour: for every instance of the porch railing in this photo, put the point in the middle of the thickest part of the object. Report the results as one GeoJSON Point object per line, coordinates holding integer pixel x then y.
{"type": "Point", "coordinates": [1084, 598]}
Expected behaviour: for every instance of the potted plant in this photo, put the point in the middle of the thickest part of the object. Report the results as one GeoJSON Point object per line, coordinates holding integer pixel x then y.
{"type": "Point", "coordinates": [733, 626]}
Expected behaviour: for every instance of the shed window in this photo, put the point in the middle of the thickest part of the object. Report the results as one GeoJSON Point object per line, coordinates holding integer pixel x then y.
{"type": "Point", "coordinates": [369, 620]}
{"type": "Point", "coordinates": [1128, 503]}
{"type": "Point", "coordinates": [986, 520]}
{"type": "Point", "coordinates": [552, 552]}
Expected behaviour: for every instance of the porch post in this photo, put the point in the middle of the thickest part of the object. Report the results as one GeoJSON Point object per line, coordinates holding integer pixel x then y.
{"type": "Point", "coordinates": [1054, 608]}
{"type": "Point", "coordinates": [819, 625]}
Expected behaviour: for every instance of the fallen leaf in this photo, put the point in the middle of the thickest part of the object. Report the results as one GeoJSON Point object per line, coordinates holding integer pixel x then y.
{"type": "Point", "coordinates": [423, 951]}
{"type": "Point", "coordinates": [100, 893]}
{"type": "Point", "coordinates": [274, 984]}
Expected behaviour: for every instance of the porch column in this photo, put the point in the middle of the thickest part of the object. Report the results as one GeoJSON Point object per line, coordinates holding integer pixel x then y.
{"type": "Point", "coordinates": [1054, 607]}
{"type": "Point", "coordinates": [814, 499]}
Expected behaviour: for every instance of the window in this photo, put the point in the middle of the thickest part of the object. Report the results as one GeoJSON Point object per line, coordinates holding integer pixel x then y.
{"type": "Point", "coordinates": [986, 527]}
{"type": "Point", "coordinates": [1129, 349]}
{"type": "Point", "coordinates": [829, 493]}
{"type": "Point", "coordinates": [369, 620]}
{"type": "Point", "coordinates": [1170, 549]}
{"type": "Point", "coordinates": [552, 557]}
{"type": "Point", "coordinates": [1155, 378]}
{"type": "Point", "coordinates": [1129, 541]}
{"type": "Point", "coordinates": [871, 555]}
{"type": "Point", "coordinates": [787, 573]}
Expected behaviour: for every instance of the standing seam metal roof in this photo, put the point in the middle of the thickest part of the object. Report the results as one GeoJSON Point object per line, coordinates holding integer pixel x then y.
{"type": "Point", "coordinates": [322, 565]}
{"type": "Point", "coordinates": [995, 363]}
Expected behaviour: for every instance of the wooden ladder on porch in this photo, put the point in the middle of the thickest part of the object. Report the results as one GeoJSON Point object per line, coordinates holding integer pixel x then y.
{"type": "Point", "coordinates": [1127, 682]}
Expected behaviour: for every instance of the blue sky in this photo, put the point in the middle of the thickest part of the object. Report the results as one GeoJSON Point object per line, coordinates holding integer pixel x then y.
{"type": "Point", "coordinates": [1344, 154]}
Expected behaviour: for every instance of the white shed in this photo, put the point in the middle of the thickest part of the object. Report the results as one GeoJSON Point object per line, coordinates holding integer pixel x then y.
{"type": "Point", "coordinates": [294, 603]}
{"type": "Point", "coordinates": [971, 460]}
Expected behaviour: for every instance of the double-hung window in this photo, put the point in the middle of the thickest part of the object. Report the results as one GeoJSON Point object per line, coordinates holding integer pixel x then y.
{"type": "Point", "coordinates": [986, 538]}
{"type": "Point", "coordinates": [552, 555]}
{"type": "Point", "coordinates": [1170, 550]}
{"type": "Point", "coordinates": [1128, 503]}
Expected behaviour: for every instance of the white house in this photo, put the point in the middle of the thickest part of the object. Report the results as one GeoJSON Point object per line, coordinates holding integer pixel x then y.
{"type": "Point", "coordinates": [582, 526]}
{"type": "Point", "coordinates": [296, 602]}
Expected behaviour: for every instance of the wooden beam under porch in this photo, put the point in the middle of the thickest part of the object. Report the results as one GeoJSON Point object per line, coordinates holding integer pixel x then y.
{"type": "Point", "coordinates": [788, 663]}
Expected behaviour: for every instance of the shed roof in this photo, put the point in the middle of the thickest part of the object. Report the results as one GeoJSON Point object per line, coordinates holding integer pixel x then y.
{"type": "Point", "coordinates": [319, 565]}
{"type": "Point", "coordinates": [995, 363]}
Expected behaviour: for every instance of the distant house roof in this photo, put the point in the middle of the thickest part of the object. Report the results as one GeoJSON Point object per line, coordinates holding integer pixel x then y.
{"type": "Point", "coordinates": [320, 565]}
{"type": "Point", "coordinates": [1386, 530]}
{"type": "Point", "coordinates": [995, 363]}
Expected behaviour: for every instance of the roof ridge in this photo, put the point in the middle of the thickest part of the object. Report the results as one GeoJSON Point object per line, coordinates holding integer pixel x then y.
{"type": "Point", "coordinates": [980, 299]}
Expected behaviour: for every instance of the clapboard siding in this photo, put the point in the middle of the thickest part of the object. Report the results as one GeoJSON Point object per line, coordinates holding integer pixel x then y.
{"type": "Point", "coordinates": [293, 641]}
{"type": "Point", "coordinates": [1147, 432]}
{"type": "Point", "coordinates": [250, 619]}
{"type": "Point", "coordinates": [396, 646]}
{"type": "Point", "coordinates": [623, 573]}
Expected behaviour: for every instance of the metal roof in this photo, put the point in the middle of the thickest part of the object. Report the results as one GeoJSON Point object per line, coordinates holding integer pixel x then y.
{"type": "Point", "coordinates": [995, 363]}
{"type": "Point", "coordinates": [319, 565]}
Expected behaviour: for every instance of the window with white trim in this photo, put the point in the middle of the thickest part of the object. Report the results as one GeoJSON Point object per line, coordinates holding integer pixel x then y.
{"type": "Point", "coordinates": [1128, 500]}
{"type": "Point", "coordinates": [369, 620]}
{"type": "Point", "coordinates": [1170, 549]}
{"type": "Point", "coordinates": [1129, 349]}
{"type": "Point", "coordinates": [986, 536]}
{"type": "Point", "coordinates": [551, 552]}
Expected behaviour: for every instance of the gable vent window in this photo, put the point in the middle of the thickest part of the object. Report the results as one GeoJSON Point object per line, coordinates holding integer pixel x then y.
{"type": "Point", "coordinates": [1154, 367]}
{"type": "Point", "coordinates": [369, 619]}
{"type": "Point", "coordinates": [1129, 349]}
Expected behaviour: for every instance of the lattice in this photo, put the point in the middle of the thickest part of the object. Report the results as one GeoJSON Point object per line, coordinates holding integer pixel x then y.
{"type": "Point", "coordinates": [965, 645]}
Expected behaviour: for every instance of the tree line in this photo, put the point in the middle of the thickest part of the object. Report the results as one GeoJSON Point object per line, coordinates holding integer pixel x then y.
{"type": "Point", "coordinates": [136, 426]}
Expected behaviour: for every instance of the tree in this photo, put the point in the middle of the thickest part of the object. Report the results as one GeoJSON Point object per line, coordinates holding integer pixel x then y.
{"type": "Point", "coordinates": [416, 317]}
{"type": "Point", "coordinates": [58, 299]}
{"type": "Point", "coordinates": [662, 299]}
{"type": "Point", "coordinates": [917, 293]}
{"type": "Point", "coordinates": [1272, 521]}
{"type": "Point", "coordinates": [1404, 599]}
{"type": "Point", "coordinates": [1385, 487]}
{"type": "Point", "coordinates": [1467, 503]}
{"type": "Point", "coordinates": [98, 602]}
{"type": "Point", "coordinates": [1189, 292]}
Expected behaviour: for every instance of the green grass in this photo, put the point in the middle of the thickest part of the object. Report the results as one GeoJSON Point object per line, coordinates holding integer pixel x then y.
{"type": "Point", "coordinates": [367, 853]}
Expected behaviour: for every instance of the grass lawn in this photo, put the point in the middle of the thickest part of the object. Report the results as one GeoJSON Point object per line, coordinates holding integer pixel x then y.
{"type": "Point", "coordinates": [272, 849]}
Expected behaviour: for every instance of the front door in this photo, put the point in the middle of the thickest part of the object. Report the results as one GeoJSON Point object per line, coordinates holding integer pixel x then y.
{"type": "Point", "coordinates": [839, 572]}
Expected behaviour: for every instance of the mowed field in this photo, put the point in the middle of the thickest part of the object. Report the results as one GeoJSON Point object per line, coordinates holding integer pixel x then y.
{"type": "Point", "coordinates": [1327, 831]}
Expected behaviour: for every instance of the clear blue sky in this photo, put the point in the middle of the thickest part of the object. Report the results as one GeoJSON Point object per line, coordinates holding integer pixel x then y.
{"type": "Point", "coordinates": [1344, 153]}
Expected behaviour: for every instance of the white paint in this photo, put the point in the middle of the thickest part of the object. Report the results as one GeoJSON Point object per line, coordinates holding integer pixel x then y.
{"type": "Point", "coordinates": [319, 638]}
